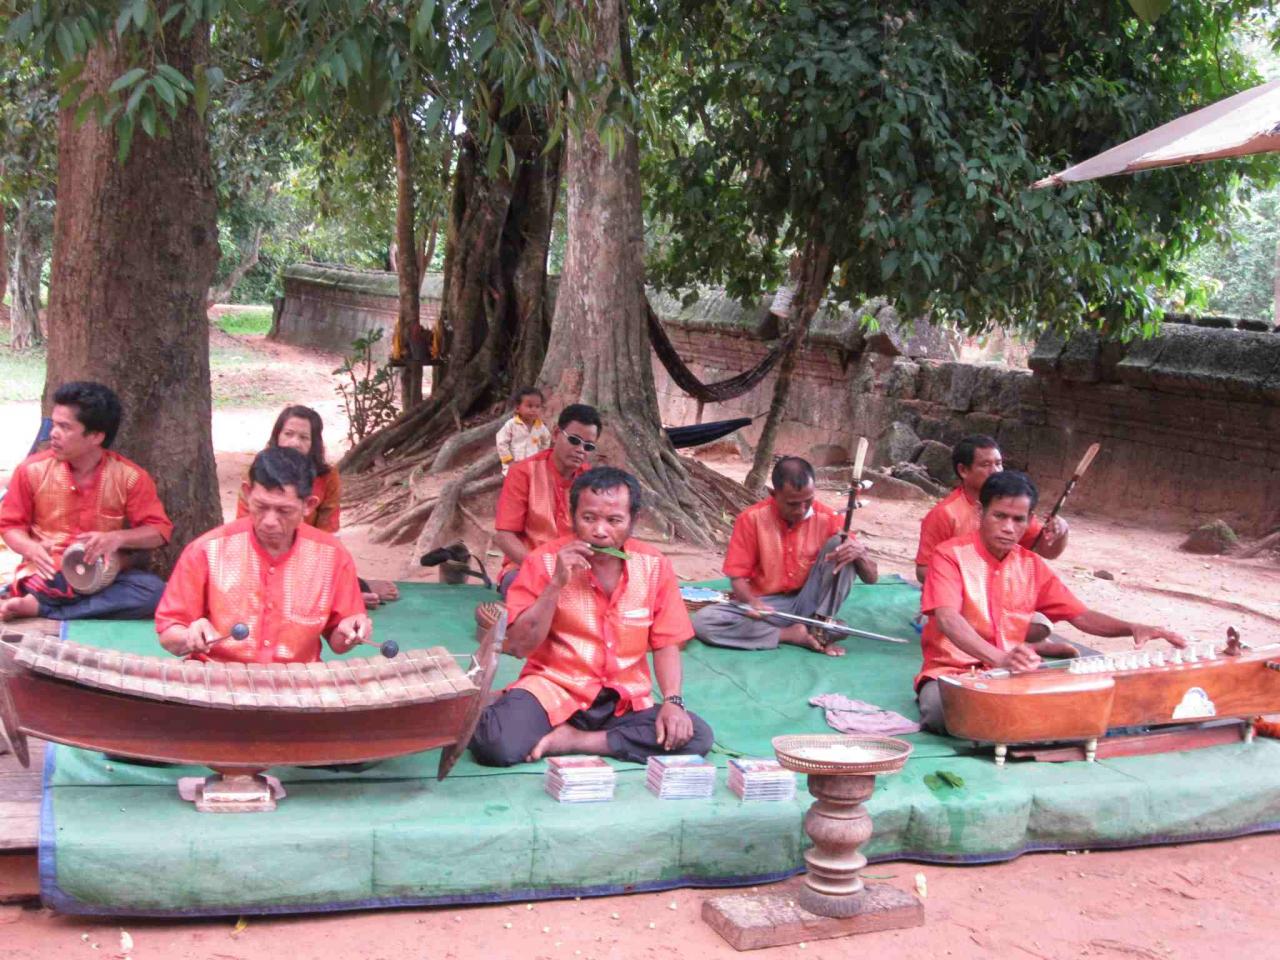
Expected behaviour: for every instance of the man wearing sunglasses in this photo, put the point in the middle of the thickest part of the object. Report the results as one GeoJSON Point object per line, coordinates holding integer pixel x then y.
{"type": "Point", "coordinates": [533, 507]}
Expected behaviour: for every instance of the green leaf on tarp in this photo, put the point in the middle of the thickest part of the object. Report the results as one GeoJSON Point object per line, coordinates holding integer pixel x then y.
{"type": "Point", "coordinates": [941, 779]}
{"type": "Point", "coordinates": [1150, 10]}
{"type": "Point", "coordinates": [611, 551]}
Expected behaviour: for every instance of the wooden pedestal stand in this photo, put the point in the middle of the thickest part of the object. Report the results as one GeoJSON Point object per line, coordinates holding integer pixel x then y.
{"type": "Point", "coordinates": [232, 791]}
{"type": "Point", "coordinates": [833, 900]}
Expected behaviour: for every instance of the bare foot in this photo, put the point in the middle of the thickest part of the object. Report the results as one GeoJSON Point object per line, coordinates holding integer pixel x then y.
{"type": "Point", "coordinates": [16, 607]}
{"type": "Point", "coordinates": [371, 600]}
{"type": "Point", "coordinates": [385, 589]}
{"type": "Point", "coordinates": [566, 739]}
{"type": "Point", "coordinates": [799, 635]}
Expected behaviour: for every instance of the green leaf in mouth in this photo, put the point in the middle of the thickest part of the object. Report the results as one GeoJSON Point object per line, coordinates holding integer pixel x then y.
{"type": "Point", "coordinates": [611, 551]}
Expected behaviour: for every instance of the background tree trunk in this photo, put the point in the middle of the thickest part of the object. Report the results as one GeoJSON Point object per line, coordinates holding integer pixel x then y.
{"type": "Point", "coordinates": [134, 252]}
{"type": "Point", "coordinates": [224, 290]}
{"type": "Point", "coordinates": [599, 349]}
{"type": "Point", "coordinates": [499, 230]}
{"type": "Point", "coordinates": [406, 264]}
{"type": "Point", "coordinates": [24, 278]}
{"type": "Point", "coordinates": [814, 275]}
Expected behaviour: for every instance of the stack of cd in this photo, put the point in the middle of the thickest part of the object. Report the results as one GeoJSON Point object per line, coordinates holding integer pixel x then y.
{"type": "Point", "coordinates": [684, 776]}
{"type": "Point", "coordinates": [579, 779]}
{"type": "Point", "coordinates": [758, 778]}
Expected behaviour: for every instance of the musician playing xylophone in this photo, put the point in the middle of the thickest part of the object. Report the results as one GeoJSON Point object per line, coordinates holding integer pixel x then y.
{"type": "Point", "coordinates": [982, 590]}
{"type": "Point", "coordinates": [288, 582]}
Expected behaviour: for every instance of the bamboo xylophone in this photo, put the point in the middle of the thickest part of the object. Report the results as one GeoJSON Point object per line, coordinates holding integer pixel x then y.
{"type": "Point", "coordinates": [1084, 698]}
{"type": "Point", "coordinates": [233, 716]}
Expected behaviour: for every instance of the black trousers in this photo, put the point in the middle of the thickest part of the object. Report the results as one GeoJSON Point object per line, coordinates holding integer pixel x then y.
{"type": "Point", "coordinates": [512, 725]}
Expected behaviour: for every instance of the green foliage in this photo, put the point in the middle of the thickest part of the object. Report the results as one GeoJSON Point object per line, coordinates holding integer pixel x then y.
{"type": "Point", "coordinates": [1239, 270]}
{"type": "Point", "coordinates": [367, 389]}
{"type": "Point", "coordinates": [906, 143]}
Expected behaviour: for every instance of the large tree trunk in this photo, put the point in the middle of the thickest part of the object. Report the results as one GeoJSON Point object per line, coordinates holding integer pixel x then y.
{"type": "Point", "coordinates": [406, 265]}
{"type": "Point", "coordinates": [24, 277]}
{"type": "Point", "coordinates": [134, 252]}
{"type": "Point", "coordinates": [494, 283]}
{"type": "Point", "coordinates": [814, 271]}
{"type": "Point", "coordinates": [599, 348]}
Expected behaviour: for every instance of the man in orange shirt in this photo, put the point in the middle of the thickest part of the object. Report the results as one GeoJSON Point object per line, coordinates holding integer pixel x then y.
{"type": "Point", "coordinates": [787, 554]}
{"type": "Point", "coordinates": [289, 583]}
{"type": "Point", "coordinates": [974, 459]}
{"type": "Point", "coordinates": [533, 507]}
{"type": "Point", "coordinates": [587, 620]}
{"type": "Point", "coordinates": [79, 490]}
{"type": "Point", "coordinates": [982, 591]}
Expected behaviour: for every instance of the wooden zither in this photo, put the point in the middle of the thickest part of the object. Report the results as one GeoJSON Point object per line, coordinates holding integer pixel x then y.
{"type": "Point", "coordinates": [242, 718]}
{"type": "Point", "coordinates": [1082, 700]}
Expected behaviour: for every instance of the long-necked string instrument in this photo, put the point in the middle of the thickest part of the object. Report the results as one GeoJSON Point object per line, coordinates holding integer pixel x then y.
{"type": "Point", "coordinates": [1081, 467]}
{"type": "Point", "coordinates": [826, 617]}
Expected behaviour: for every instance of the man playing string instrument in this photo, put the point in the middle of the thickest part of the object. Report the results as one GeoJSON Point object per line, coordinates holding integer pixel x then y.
{"type": "Point", "coordinates": [290, 583]}
{"type": "Point", "coordinates": [588, 610]}
{"type": "Point", "coordinates": [786, 555]}
{"type": "Point", "coordinates": [982, 590]}
{"type": "Point", "coordinates": [533, 507]}
{"type": "Point", "coordinates": [81, 491]}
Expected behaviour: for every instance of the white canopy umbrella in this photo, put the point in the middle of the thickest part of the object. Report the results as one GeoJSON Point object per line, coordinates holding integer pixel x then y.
{"type": "Point", "coordinates": [1247, 123]}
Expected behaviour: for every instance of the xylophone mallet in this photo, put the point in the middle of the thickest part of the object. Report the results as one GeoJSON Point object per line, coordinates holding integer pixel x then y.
{"type": "Point", "coordinates": [239, 631]}
{"type": "Point", "coordinates": [388, 648]}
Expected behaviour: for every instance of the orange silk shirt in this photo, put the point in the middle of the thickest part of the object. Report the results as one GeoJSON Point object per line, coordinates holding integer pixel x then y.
{"type": "Point", "coordinates": [44, 501]}
{"type": "Point", "coordinates": [996, 597]}
{"type": "Point", "coordinates": [534, 502]}
{"type": "Point", "coordinates": [327, 515]}
{"type": "Point", "coordinates": [287, 602]}
{"type": "Point", "coordinates": [776, 558]}
{"type": "Point", "coordinates": [955, 515]}
{"type": "Point", "coordinates": [598, 640]}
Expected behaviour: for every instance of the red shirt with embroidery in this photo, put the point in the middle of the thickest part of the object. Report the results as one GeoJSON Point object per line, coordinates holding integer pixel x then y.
{"type": "Point", "coordinates": [44, 501]}
{"type": "Point", "coordinates": [956, 515]}
{"type": "Point", "coordinates": [599, 640]}
{"type": "Point", "coordinates": [534, 502]}
{"type": "Point", "coordinates": [774, 557]}
{"type": "Point", "coordinates": [996, 597]}
{"type": "Point", "coordinates": [288, 602]}
{"type": "Point", "coordinates": [327, 515]}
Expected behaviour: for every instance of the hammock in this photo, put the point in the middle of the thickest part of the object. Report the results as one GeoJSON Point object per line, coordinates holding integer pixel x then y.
{"type": "Point", "coordinates": [697, 434]}
{"type": "Point", "coordinates": [684, 378]}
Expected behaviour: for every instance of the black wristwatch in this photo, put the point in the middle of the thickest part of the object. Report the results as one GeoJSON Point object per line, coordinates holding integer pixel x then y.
{"type": "Point", "coordinates": [677, 700]}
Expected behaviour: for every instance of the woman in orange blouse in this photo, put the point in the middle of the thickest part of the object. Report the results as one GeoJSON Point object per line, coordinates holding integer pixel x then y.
{"type": "Point", "coordinates": [300, 428]}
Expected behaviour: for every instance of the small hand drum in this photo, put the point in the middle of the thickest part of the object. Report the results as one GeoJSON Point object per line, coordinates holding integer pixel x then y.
{"type": "Point", "coordinates": [87, 578]}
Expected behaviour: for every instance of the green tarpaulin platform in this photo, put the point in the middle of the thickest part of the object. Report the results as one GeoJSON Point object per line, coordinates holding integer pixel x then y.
{"type": "Point", "coordinates": [116, 839]}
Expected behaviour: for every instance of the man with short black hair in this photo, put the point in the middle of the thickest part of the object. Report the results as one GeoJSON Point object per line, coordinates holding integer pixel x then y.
{"type": "Point", "coordinates": [787, 554]}
{"type": "Point", "coordinates": [81, 491]}
{"type": "Point", "coordinates": [288, 582]}
{"type": "Point", "coordinates": [587, 610]}
{"type": "Point", "coordinates": [533, 507]}
{"type": "Point", "coordinates": [982, 591]}
{"type": "Point", "coordinates": [974, 459]}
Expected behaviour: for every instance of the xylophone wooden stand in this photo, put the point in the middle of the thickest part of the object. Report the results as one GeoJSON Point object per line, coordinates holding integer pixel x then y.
{"type": "Point", "coordinates": [232, 791]}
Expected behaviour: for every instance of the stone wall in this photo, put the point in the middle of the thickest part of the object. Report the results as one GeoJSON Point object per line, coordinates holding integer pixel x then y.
{"type": "Point", "coordinates": [1189, 421]}
{"type": "Point", "coordinates": [328, 306]}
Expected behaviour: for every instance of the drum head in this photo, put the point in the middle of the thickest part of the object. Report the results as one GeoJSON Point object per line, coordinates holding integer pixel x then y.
{"type": "Point", "coordinates": [84, 577]}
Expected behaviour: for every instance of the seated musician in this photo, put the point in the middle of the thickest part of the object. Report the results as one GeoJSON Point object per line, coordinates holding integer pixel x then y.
{"type": "Point", "coordinates": [81, 491]}
{"type": "Point", "coordinates": [533, 507]}
{"type": "Point", "coordinates": [300, 428]}
{"type": "Point", "coordinates": [587, 621]}
{"type": "Point", "coordinates": [786, 554]}
{"type": "Point", "coordinates": [982, 590]}
{"type": "Point", "coordinates": [974, 459]}
{"type": "Point", "coordinates": [288, 582]}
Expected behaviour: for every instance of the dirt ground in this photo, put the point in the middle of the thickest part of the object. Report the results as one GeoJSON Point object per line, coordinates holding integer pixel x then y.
{"type": "Point", "coordinates": [1208, 900]}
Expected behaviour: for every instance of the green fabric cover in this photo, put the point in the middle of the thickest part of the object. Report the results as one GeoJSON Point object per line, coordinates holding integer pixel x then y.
{"type": "Point", "coordinates": [117, 839]}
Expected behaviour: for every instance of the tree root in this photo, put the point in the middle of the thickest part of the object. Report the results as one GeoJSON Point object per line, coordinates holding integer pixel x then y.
{"type": "Point", "coordinates": [449, 450]}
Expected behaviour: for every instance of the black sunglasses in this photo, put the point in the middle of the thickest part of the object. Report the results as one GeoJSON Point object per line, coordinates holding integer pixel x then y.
{"type": "Point", "coordinates": [575, 441]}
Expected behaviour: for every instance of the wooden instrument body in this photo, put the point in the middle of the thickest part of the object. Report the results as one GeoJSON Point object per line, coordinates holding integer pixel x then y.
{"type": "Point", "coordinates": [1054, 705]}
{"type": "Point", "coordinates": [237, 717]}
